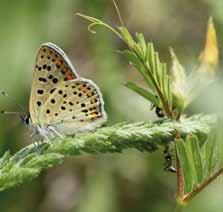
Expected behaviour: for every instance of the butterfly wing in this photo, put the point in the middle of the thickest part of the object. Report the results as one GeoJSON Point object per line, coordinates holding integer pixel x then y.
{"type": "Point", "coordinates": [52, 67]}
{"type": "Point", "coordinates": [75, 105]}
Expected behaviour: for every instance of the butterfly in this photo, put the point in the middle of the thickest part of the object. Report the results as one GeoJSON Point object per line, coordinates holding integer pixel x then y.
{"type": "Point", "coordinates": [61, 103]}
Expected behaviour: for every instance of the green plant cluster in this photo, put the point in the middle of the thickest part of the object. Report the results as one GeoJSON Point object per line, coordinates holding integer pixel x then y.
{"type": "Point", "coordinates": [27, 163]}
{"type": "Point", "coordinates": [170, 91]}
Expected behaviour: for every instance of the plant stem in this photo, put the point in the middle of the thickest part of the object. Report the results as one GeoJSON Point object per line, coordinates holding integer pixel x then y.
{"type": "Point", "coordinates": [191, 195]}
{"type": "Point", "coordinates": [180, 180]}
{"type": "Point", "coordinates": [27, 163]}
{"type": "Point", "coordinates": [179, 207]}
{"type": "Point", "coordinates": [180, 177]}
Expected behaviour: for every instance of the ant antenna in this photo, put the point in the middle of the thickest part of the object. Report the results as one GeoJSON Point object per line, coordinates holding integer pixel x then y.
{"type": "Point", "coordinates": [3, 93]}
{"type": "Point", "coordinates": [118, 13]}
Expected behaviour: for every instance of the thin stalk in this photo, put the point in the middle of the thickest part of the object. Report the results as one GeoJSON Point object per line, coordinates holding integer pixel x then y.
{"type": "Point", "coordinates": [118, 13]}
{"type": "Point", "coordinates": [180, 180]}
{"type": "Point", "coordinates": [95, 22]}
{"type": "Point", "coordinates": [179, 207]}
{"type": "Point", "coordinates": [180, 177]}
{"type": "Point", "coordinates": [191, 195]}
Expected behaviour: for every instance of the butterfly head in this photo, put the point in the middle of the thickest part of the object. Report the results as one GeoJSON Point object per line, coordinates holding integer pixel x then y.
{"type": "Point", "coordinates": [25, 119]}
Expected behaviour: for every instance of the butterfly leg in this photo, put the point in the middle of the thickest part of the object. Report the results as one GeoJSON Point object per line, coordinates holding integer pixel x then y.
{"type": "Point", "coordinates": [45, 138]}
{"type": "Point", "coordinates": [53, 130]}
{"type": "Point", "coordinates": [34, 136]}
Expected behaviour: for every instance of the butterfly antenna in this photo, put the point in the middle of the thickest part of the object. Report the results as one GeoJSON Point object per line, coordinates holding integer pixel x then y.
{"type": "Point", "coordinates": [9, 112]}
{"type": "Point", "coordinates": [3, 93]}
{"type": "Point", "coordinates": [118, 13]}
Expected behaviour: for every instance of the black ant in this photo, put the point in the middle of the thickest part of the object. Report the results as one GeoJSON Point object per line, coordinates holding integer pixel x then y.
{"type": "Point", "coordinates": [168, 165]}
{"type": "Point", "coordinates": [159, 112]}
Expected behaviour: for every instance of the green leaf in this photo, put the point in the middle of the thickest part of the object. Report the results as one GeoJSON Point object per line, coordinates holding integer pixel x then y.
{"type": "Point", "coordinates": [142, 46]}
{"type": "Point", "coordinates": [182, 153]}
{"type": "Point", "coordinates": [143, 92]}
{"type": "Point", "coordinates": [146, 60]}
{"type": "Point", "coordinates": [177, 70]}
{"type": "Point", "coordinates": [45, 161]}
{"type": "Point", "coordinates": [196, 157]}
{"type": "Point", "coordinates": [138, 65]}
{"type": "Point", "coordinates": [158, 75]}
{"type": "Point", "coordinates": [127, 37]}
{"type": "Point", "coordinates": [209, 153]}
{"type": "Point", "coordinates": [4, 159]}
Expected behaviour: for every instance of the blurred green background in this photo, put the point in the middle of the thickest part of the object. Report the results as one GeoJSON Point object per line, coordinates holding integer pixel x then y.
{"type": "Point", "coordinates": [132, 181]}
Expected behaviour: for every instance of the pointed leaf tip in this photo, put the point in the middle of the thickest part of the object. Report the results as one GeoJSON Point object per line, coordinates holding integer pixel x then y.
{"type": "Point", "coordinates": [178, 80]}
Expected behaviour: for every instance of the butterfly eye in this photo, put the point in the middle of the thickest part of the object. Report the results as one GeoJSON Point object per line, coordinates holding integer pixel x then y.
{"type": "Point", "coordinates": [25, 119]}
